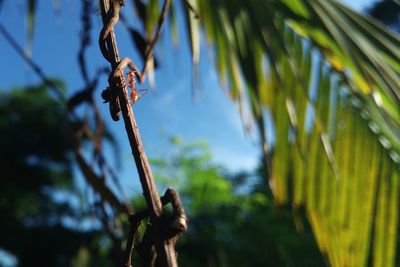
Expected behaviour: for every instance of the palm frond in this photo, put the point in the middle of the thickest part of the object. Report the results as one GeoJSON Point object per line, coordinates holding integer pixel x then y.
{"type": "Point", "coordinates": [330, 78]}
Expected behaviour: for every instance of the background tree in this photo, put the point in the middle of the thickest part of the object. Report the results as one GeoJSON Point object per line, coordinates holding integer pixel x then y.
{"type": "Point", "coordinates": [233, 221]}
{"type": "Point", "coordinates": [387, 12]}
{"type": "Point", "coordinates": [39, 201]}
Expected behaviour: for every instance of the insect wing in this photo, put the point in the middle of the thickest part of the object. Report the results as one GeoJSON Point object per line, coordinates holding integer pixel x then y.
{"type": "Point", "coordinates": [141, 93]}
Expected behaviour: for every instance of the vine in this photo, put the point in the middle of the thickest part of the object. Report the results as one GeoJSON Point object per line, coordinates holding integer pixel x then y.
{"type": "Point", "coordinates": [157, 246]}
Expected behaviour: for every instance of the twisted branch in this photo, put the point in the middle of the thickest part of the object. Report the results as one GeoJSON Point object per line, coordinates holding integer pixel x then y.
{"type": "Point", "coordinates": [157, 240]}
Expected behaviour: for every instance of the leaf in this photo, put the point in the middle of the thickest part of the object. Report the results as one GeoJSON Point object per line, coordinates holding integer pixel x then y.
{"type": "Point", "coordinates": [31, 14]}
{"type": "Point", "coordinates": [140, 10]}
{"type": "Point", "coordinates": [318, 88]}
{"type": "Point", "coordinates": [84, 95]}
{"type": "Point", "coordinates": [194, 32]}
{"type": "Point", "coordinates": [173, 23]}
{"type": "Point", "coordinates": [152, 15]}
{"type": "Point", "coordinates": [141, 44]}
{"type": "Point", "coordinates": [139, 41]}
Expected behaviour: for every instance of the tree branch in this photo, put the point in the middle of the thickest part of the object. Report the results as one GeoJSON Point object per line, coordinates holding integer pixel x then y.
{"type": "Point", "coordinates": [99, 185]}
{"type": "Point", "coordinates": [32, 64]}
{"type": "Point", "coordinates": [150, 47]}
{"type": "Point", "coordinates": [119, 95]}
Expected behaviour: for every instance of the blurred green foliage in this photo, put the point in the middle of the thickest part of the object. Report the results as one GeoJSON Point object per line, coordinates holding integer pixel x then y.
{"type": "Point", "coordinates": [232, 218]}
{"type": "Point", "coordinates": [37, 186]}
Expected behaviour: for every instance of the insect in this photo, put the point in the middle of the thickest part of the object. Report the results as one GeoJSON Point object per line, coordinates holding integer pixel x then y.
{"type": "Point", "coordinates": [135, 94]}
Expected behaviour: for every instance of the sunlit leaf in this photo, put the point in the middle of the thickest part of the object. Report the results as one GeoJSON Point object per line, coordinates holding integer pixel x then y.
{"type": "Point", "coordinates": [330, 78]}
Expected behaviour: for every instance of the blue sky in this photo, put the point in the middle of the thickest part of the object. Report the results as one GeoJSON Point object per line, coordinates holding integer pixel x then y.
{"type": "Point", "coordinates": [357, 5]}
{"type": "Point", "coordinates": [168, 110]}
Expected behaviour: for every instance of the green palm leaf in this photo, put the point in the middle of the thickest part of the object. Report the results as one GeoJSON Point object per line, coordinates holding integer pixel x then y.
{"type": "Point", "coordinates": [331, 80]}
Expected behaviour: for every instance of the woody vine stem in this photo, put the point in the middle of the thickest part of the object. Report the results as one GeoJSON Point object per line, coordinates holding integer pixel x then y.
{"type": "Point", "coordinates": [157, 247]}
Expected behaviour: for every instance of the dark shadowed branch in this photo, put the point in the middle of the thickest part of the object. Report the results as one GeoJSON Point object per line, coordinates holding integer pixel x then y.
{"type": "Point", "coordinates": [155, 239]}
